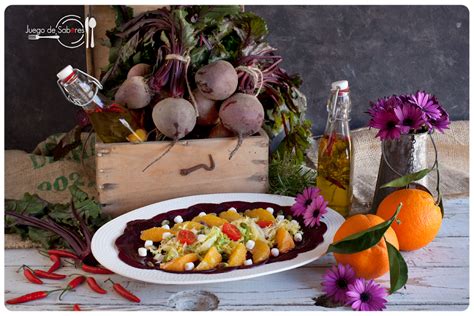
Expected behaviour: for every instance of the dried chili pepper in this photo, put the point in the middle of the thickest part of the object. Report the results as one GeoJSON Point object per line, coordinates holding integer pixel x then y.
{"type": "Point", "coordinates": [95, 270]}
{"type": "Point", "coordinates": [56, 263]}
{"type": "Point", "coordinates": [76, 308]}
{"type": "Point", "coordinates": [73, 284]}
{"type": "Point", "coordinates": [49, 275]}
{"type": "Point", "coordinates": [30, 275]}
{"type": "Point", "coordinates": [30, 297]}
{"type": "Point", "coordinates": [94, 286]}
{"type": "Point", "coordinates": [124, 292]}
{"type": "Point", "coordinates": [63, 253]}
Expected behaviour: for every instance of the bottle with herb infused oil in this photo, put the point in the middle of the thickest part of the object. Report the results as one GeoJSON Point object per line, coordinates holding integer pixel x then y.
{"type": "Point", "coordinates": [335, 152]}
{"type": "Point", "coordinates": [112, 122]}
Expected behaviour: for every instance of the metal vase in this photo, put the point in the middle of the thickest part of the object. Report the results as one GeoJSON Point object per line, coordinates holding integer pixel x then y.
{"type": "Point", "coordinates": [401, 156]}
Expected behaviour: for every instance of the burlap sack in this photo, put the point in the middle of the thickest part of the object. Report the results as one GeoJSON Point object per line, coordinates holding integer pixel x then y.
{"type": "Point", "coordinates": [39, 173]}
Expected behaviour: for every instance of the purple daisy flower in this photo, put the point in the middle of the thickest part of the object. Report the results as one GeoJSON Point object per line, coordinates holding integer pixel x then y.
{"type": "Point", "coordinates": [312, 215]}
{"type": "Point", "coordinates": [366, 295]}
{"type": "Point", "coordinates": [442, 122]}
{"type": "Point", "coordinates": [336, 282]}
{"type": "Point", "coordinates": [410, 117]}
{"type": "Point", "coordinates": [305, 201]}
{"type": "Point", "coordinates": [427, 103]}
{"type": "Point", "coordinates": [387, 123]}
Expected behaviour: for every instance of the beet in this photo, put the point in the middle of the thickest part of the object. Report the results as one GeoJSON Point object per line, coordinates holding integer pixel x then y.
{"type": "Point", "coordinates": [207, 109]}
{"type": "Point", "coordinates": [242, 114]}
{"type": "Point", "coordinates": [174, 117]}
{"type": "Point", "coordinates": [217, 81]}
{"type": "Point", "coordinates": [139, 70]}
{"type": "Point", "coordinates": [134, 93]}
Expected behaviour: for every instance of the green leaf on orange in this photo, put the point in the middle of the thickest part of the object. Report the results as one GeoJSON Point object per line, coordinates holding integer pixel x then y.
{"type": "Point", "coordinates": [398, 268]}
{"type": "Point", "coordinates": [407, 179]}
{"type": "Point", "coordinates": [365, 239]}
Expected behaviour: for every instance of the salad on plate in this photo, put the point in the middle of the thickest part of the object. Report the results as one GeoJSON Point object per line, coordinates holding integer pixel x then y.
{"type": "Point", "coordinates": [208, 238]}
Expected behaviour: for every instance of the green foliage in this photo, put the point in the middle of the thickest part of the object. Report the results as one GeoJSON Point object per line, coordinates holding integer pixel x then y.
{"type": "Point", "coordinates": [288, 177]}
{"type": "Point", "coordinates": [398, 268]}
{"type": "Point", "coordinates": [33, 205]}
{"type": "Point", "coordinates": [407, 179]}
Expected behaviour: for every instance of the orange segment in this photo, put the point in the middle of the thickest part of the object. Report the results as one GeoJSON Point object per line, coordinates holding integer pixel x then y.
{"type": "Point", "coordinates": [261, 214]}
{"type": "Point", "coordinates": [177, 264]}
{"type": "Point", "coordinates": [260, 252]}
{"type": "Point", "coordinates": [229, 215]}
{"type": "Point", "coordinates": [238, 255]}
{"type": "Point", "coordinates": [154, 234]}
{"type": "Point", "coordinates": [186, 225]}
{"type": "Point", "coordinates": [209, 220]}
{"type": "Point", "coordinates": [210, 260]}
{"type": "Point", "coordinates": [284, 240]}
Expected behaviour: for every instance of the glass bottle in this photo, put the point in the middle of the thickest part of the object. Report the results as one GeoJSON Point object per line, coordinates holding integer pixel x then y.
{"type": "Point", "coordinates": [335, 152]}
{"type": "Point", "coordinates": [112, 122]}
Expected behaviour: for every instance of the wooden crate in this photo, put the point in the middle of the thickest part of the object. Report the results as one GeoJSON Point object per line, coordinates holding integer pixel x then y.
{"type": "Point", "coordinates": [123, 186]}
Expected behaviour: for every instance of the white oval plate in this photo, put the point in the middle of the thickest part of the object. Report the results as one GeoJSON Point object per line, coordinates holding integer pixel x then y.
{"type": "Point", "coordinates": [104, 250]}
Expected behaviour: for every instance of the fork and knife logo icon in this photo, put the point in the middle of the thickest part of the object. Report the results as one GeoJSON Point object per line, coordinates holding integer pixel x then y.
{"type": "Point", "coordinates": [69, 31]}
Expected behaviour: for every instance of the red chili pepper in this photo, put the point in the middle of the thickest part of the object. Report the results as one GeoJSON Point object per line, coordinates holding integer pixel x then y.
{"type": "Point", "coordinates": [63, 253]}
{"type": "Point", "coordinates": [73, 284]}
{"type": "Point", "coordinates": [76, 308]}
{"type": "Point", "coordinates": [94, 286]}
{"type": "Point", "coordinates": [49, 275]}
{"type": "Point", "coordinates": [95, 270]}
{"type": "Point", "coordinates": [124, 292]}
{"type": "Point", "coordinates": [30, 297]}
{"type": "Point", "coordinates": [56, 263]}
{"type": "Point", "coordinates": [30, 275]}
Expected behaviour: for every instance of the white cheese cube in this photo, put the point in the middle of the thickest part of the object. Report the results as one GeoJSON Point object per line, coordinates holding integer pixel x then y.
{"type": "Point", "coordinates": [270, 209]}
{"type": "Point", "coordinates": [248, 262]}
{"type": "Point", "coordinates": [298, 237]}
{"type": "Point", "coordinates": [275, 252]}
{"type": "Point", "coordinates": [250, 244]}
{"type": "Point", "coordinates": [188, 266]}
{"type": "Point", "coordinates": [142, 252]}
{"type": "Point", "coordinates": [202, 214]}
{"type": "Point", "coordinates": [178, 219]}
{"type": "Point", "coordinates": [166, 235]}
{"type": "Point", "coordinates": [279, 218]}
{"type": "Point", "coordinates": [166, 226]}
{"type": "Point", "coordinates": [293, 222]}
{"type": "Point", "coordinates": [148, 243]}
{"type": "Point", "coordinates": [233, 209]}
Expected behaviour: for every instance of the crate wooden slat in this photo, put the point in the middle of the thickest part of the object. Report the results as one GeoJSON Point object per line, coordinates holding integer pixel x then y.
{"type": "Point", "coordinates": [123, 186]}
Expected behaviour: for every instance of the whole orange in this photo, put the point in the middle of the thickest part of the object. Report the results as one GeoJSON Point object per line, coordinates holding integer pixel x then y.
{"type": "Point", "coordinates": [370, 263]}
{"type": "Point", "coordinates": [419, 218]}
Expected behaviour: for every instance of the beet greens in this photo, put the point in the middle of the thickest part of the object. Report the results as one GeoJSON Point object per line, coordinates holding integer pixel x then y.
{"type": "Point", "coordinates": [170, 38]}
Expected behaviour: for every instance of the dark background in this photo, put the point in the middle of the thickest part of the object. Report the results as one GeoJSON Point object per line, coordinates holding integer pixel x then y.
{"type": "Point", "coordinates": [381, 50]}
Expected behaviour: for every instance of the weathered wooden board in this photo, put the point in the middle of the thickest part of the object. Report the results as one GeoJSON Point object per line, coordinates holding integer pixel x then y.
{"type": "Point", "coordinates": [438, 280]}
{"type": "Point", "coordinates": [123, 185]}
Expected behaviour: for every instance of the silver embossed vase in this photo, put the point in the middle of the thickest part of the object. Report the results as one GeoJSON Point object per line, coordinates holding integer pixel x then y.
{"type": "Point", "coordinates": [400, 157]}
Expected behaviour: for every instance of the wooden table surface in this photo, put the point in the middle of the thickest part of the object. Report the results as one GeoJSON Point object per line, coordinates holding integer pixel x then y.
{"type": "Point", "coordinates": [438, 280]}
